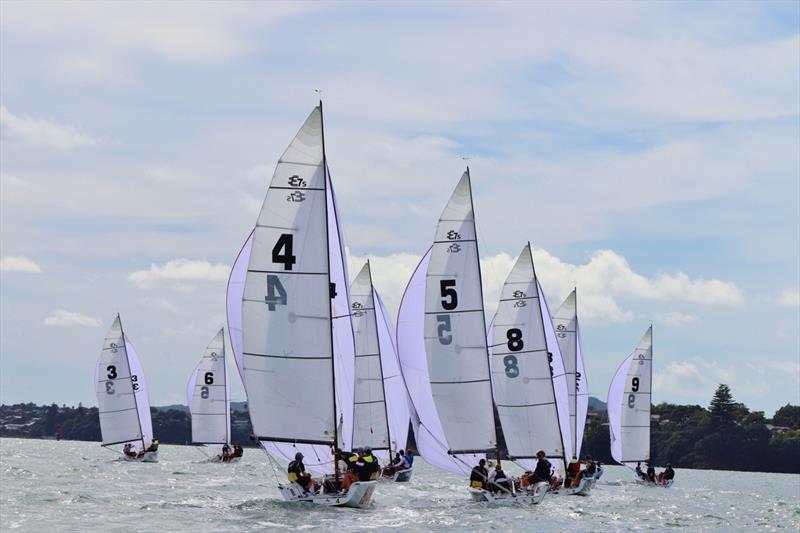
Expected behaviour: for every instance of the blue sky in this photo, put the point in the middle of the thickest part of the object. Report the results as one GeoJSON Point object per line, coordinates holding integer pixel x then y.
{"type": "Point", "coordinates": [649, 151]}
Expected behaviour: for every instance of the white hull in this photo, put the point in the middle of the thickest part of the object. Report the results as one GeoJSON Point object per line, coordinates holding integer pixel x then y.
{"type": "Point", "coordinates": [359, 495]}
{"type": "Point", "coordinates": [218, 459]}
{"type": "Point", "coordinates": [401, 476]}
{"type": "Point", "coordinates": [533, 496]}
{"type": "Point", "coordinates": [583, 488]}
{"type": "Point", "coordinates": [148, 457]}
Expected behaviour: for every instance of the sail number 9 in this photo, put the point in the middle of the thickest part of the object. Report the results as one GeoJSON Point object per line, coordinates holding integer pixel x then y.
{"type": "Point", "coordinates": [635, 384]}
{"type": "Point", "coordinates": [631, 400]}
{"type": "Point", "coordinates": [444, 327]}
{"type": "Point", "coordinates": [632, 396]}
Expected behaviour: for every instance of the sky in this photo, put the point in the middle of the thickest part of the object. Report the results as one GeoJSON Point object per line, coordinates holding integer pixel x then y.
{"type": "Point", "coordinates": [649, 151]}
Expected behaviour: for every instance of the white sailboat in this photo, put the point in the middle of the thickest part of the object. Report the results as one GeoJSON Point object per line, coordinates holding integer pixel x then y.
{"type": "Point", "coordinates": [565, 321]}
{"type": "Point", "coordinates": [122, 396]}
{"type": "Point", "coordinates": [455, 345]}
{"type": "Point", "coordinates": [629, 404]}
{"type": "Point", "coordinates": [208, 395]}
{"type": "Point", "coordinates": [526, 365]}
{"type": "Point", "coordinates": [297, 345]}
{"type": "Point", "coordinates": [381, 418]}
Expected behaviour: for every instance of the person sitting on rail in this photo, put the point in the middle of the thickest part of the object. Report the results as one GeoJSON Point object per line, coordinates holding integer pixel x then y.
{"type": "Point", "coordinates": [479, 475]}
{"type": "Point", "coordinates": [499, 481]}
{"type": "Point", "coordinates": [573, 474]}
{"type": "Point", "coordinates": [297, 473]}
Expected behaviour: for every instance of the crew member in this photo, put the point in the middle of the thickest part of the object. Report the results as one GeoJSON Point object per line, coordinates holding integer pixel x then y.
{"type": "Point", "coordinates": [297, 473]}
{"type": "Point", "coordinates": [479, 475]}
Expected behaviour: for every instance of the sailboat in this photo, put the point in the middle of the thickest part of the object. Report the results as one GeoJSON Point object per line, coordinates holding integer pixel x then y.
{"type": "Point", "coordinates": [456, 347]}
{"type": "Point", "coordinates": [629, 404]}
{"type": "Point", "coordinates": [381, 418]}
{"type": "Point", "coordinates": [526, 365]}
{"type": "Point", "coordinates": [297, 341]}
{"type": "Point", "coordinates": [208, 395]}
{"type": "Point", "coordinates": [565, 321]}
{"type": "Point", "coordinates": [122, 396]}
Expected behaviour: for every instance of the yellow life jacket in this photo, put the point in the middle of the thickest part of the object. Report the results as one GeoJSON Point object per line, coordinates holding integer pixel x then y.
{"type": "Point", "coordinates": [476, 484]}
{"type": "Point", "coordinates": [292, 476]}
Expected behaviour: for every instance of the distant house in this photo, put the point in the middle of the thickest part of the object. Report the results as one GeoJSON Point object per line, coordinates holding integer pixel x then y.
{"type": "Point", "coordinates": [777, 429]}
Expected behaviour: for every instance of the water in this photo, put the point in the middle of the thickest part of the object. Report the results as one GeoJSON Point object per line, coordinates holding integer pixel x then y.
{"type": "Point", "coordinates": [78, 486]}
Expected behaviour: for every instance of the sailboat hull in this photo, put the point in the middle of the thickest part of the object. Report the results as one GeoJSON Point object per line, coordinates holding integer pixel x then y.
{"type": "Point", "coordinates": [583, 488]}
{"type": "Point", "coordinates": [358, 496]}
{"type": "Point", "coordinates": [401, 476]}
{"type": "Point", "coordinates": [149, 457]}
{"type": "Point", "coordinates": [532, 496]}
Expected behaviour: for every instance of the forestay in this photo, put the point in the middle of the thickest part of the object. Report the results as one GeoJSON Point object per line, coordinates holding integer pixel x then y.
{"type": "Point", "coordinates": [286, 312]}
{"type": "Point", "coordinates": [208, 396]}
{"type": "Point", "coordinates": [629, 405]}
{"type": "Point", "coordinates": [121, 392]}
{"type": "Point", "coordinates": [455, 339]}
{"type": "Point", "coordinates": [428, 432]}
{"type": "Point", "coordinates": [371, 425]}
{"type": "Point", "coordinates": [565, 321]}
{"type": "Point", "coordinates": [521, 367]}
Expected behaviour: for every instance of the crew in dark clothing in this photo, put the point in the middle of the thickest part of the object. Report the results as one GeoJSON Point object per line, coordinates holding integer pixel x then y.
{"type": "Point", "coordinates": [543, 469]}
{"type": "Point", "coordinates": [591, 469]}
{"type": "Point", "coordinates": [297, 473]}
{"type": "Point", "coordinates": [238, 451]}
{"type": "Point", "coordinates": [370, 467]}
{"type": "Point", "coordinates": [639, 471]}
{"type": "Point", "coordinates": [667, 475]}
{"type": "Point", "coordinates": [500, 481]}
{"type": "Point", "coordinates": [651, 473]}
{"type": "Point", "coordinates": [153, 446]}
{"type": "Point", "coordinates": [479, 475]}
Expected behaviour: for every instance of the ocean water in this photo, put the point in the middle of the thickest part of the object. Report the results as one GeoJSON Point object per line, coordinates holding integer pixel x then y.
{"type": "Point", "coordinates": [49, 486]}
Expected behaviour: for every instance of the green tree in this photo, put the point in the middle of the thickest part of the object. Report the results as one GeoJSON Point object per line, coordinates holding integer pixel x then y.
{"type": "Point", "coordinates": [723, 408]}
{"type": "Point", "coordinates": [788, 415]}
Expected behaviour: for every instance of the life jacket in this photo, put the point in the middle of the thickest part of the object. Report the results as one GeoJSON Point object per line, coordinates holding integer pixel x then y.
{"type": "Point", "coordinates": [295, 470]}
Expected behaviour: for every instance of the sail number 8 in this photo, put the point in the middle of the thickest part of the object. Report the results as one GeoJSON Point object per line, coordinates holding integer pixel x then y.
{"type": "Point", "coordinates": [515, 344]}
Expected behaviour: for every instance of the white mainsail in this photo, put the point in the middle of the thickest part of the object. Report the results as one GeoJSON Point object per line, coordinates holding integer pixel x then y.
{"type": "Point", "coordinates": [209, 396]}
{"type": "Point", "coordinates": [428, 432]}
{"type": "Point", "coordinates": [524, 388]}
{"type": "Point", "coordinates": [629, 399]}
{"type": "Point", "coordinates": [565, 321]}
{"type": "Point", "coordinates": [455, 339]}
{"type": "Point", "coordinates": [296, 332]}
{"type": "Point", "coordinates": [122, 392]}
{"type": "Point", "coordinates": [371, 426]}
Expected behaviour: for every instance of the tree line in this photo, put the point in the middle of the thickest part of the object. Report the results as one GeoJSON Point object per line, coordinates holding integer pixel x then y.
{"type": "Point", "coordinates": [724, 436]}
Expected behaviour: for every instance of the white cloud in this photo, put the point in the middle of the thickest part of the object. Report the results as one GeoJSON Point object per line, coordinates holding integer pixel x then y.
{"type": "Point", "coordinates": [62, 317]}
{"type": "Point", "coordinates": [789, 297]}
{"type": "Point", "coordinates": [674, 318]}
{"type": "Point", "coordinates": [18, 263]}
{"type": "Point", "coordinates": [38, 131]}
{"type": "Point", "coordinates": [173, 273]}
{"type": "Point", "coordinates": [602, 283]}
{"type": "Point", "coordinates": [160, 304]}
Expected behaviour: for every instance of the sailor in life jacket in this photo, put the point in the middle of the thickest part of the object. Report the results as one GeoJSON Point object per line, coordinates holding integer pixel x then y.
{"type": "Point", "coordinates": [297, 472]}
{"type": "Point", "coordinates": [369, 466]}
{"type": "Point", "coordinates": [479, 475]}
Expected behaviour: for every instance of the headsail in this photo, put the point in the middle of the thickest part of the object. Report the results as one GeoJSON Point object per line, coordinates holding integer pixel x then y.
{"type": "Point", "coordinates": [565, 321]}
{"type": "Point", "coordinates": [371, 424]}
{"type": "Point", "coordinates": [629, 399]}
{"type": "Point", "coordinates": [208, 396]}
{"type": "Point", "coordinates": [428, 432]}
{"type": "Point", "coordinates": [521, 367]}
{"type": "Point", "coordinates": [122, 392]}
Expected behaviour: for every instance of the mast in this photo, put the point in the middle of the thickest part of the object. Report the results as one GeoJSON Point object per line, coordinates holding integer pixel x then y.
{"type": "Point", "coordinates": [380, 362]}
{"type": "Point", "coordinates": [330, 292]}
{"type": "Point", "coordinates": [483, 314]}
{"type": "Point", "coordinates": [549, 356]}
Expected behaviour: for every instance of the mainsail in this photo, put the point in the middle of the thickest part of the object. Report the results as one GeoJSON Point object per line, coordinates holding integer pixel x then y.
{"type": "Point", "coordinates": [428, 432]}
{"type": "Point", "coordinates": [122, 392]}
{"type": "Point", "coordinates": [455, 340]}
{"type": "Point", "coordinates": [629, 405]}
{"type": "Point", "coordinates": [208, 395]}
{"type": "Point", "coordinates": [371, 419]}
{"type": "Point", "coordinates": [565, 321]}
{"type": "Point", "coordinates": [521, 362]}
{"type": "Point", "coordinates": [297, 339]}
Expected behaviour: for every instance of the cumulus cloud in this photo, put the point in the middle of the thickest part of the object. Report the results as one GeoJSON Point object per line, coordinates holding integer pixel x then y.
{"type": "Point", "coordinates": [41, 132]}
{"type": "Point", "coordinates": [18, 263]}
{"type": "Point", "coordinates": [62, 317]}
{"type": "Point", "coordinates": [789, 297]}
{"type": "Point", "coordinates": [603, 282]}
{"type": "Point", "coordinates": [176, 272]}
